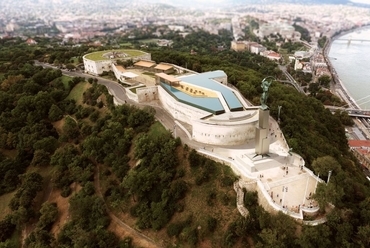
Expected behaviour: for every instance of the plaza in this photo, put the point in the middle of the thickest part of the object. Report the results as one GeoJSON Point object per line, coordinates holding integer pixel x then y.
{"type": "Point", "coordinates": [281, 179]}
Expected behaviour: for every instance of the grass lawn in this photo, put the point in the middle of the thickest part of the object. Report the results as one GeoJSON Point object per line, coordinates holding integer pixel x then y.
{"type": "Point", "coordinates": [77, 92]}
{"type": "Point", "coordinates": [157, 130]}
{"type": "Point", "coordinates": [134, 89]}
{"type": "Point", "coordinates": [99, 55]}
{"type": "Point", "coordinates": [283, 50]}
{"type": "Point", "coordinates": [149, 74]}
{"type": "Point", "coordinates": [147, 41]}
{"type": "Point", "coordinates": [65, 80]}
{"type": "Point", "coordinates": [75, 60]}
{"type": "Point", "coordinates": [126, 44]}
{"type": "Point", "coordinates": [109, 77]}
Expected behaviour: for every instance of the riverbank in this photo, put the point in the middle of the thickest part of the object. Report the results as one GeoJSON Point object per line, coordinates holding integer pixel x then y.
{"type": "Point", "coordinates": [361, 128]}
{"type": "Point", "coordinates": [338, 87]}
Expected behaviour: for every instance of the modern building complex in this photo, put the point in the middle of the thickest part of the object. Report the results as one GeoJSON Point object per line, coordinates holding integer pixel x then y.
{"type": "Point", "coordinates": [218, 118]}
{"type": "Point", "coordinates": [218, 114]}
{"type": "Point", "coordinates": [98, 62]}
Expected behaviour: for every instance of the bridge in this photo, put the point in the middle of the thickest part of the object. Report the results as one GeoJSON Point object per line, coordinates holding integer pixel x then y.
{"type": "Point", "coordinates": [349, 40]}
{"type": "Point", "coordinates": [362, 113]}
{"type": "Point", "coordinates": [359, 112]}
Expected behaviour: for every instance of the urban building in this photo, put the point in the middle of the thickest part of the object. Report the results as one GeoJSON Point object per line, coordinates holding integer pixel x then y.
{"type": "Point", "coordinates": [98, 62]}
{"type": "Point", "coordinates": [238, 46]}
{"type": "Point", "coordinates": [272, 28]}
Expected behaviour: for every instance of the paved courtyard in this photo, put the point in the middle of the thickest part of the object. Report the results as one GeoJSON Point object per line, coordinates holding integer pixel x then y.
{"type": "Point", "coordinates": [288, 183]}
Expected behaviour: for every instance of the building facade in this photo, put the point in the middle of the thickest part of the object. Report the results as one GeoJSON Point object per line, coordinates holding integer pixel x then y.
{"type": "Point", "coordinates": [98, 62]}
{"type": "Point", "coordinates": [217, 114]}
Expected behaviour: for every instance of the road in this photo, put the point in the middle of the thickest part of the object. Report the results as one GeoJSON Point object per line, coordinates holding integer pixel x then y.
{"type": "Point", "coordinates": [291, 79]}
{"type": "Point", "coordinates": [114, 88]}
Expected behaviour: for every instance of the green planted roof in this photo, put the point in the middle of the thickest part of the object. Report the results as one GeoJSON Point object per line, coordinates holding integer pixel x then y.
{"type": "Point", "coordinates": [96, 56]}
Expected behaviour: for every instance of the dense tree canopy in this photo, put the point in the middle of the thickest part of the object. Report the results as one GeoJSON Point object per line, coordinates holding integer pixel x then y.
{"type": "Point", "coordinates": [43, 128]}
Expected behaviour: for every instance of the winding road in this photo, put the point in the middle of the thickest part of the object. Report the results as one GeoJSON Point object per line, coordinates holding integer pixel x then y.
{"type": "Point", "coordinates": [114, 88]}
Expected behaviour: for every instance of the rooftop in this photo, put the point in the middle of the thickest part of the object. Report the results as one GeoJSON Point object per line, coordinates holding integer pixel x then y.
{"type": "Point", "coordinates": [205, 80]}
{"type": "Point", "coordinates": [144, 63]}
{"type": "Point", "coordinates": [204, 92]}
{"type": "Point", "coordinates": [359, 143]}
{"type": "Point", "coordinates": [163, 67]}
{"type": "Point", "coordinates": [167, 77]}
{"type": "Point", "coordinates": [209, 104]}
{"type": "Point", "coordinates": [120, 68]}
{"type": "Point", "coordinates": [114, 54]}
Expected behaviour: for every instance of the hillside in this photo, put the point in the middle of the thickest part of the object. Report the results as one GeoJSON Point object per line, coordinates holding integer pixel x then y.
{"type": "Point", "coordinates": [78, 171]}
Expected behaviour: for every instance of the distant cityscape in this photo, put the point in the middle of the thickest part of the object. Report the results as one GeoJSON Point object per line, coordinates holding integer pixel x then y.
{"type": "Point", "coordinates": [83, 20]}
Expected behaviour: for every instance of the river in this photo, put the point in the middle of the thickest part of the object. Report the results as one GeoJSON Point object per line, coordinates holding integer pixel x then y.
{"type": "Point", "coordinates": [351, 62]}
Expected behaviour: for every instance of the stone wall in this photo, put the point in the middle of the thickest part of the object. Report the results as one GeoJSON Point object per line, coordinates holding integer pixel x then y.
{"type": "Point", "coordinates": [147, 94]}
{"type": "Point", "coordinates": [146, 56]}
{"type": "Point", "coordinates": [97, 67]}
{"type": "Point", "coordinates": [223, 134]}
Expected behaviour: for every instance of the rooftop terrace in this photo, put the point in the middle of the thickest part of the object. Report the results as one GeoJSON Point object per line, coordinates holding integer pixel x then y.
{"type": "Point", "coordinates": [117, 54]}
{"type": "Point", "coordinates": [205, 80]}
{"type": "Point", "coordinates": [209, 104]}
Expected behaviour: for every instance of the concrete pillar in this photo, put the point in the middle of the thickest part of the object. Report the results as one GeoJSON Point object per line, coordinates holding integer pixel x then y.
{"type": "Point", "coordinates": [262, 130]}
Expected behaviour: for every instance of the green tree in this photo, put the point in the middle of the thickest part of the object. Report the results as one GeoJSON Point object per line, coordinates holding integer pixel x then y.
{"type": "Point", "coordinates": [40, 158]}
{"type": "Point", "coordinates": [6, 228]}
{"type": "Point", "coordinates": [323, 165]}
{"type": "Point", "coordinates": [322, 41]}
{"type": "Point", "coordinates": [324, 81]}
{"type": "Point", "coordinates": [315, 236]}
{"type": "Point", "coordinates": [344, 118]}
{"type": "Point", "coordinates": [55, 113]}
{"type": "Point", "coordinates": [47, 144]}
{"type": "Point", "coordinates": [364, 235]}
{"type": "Point", "coordinates": [269, 238]}
{"type": "Point", "coordinates": [70, 66]}
{"type": "Point", "coordinates": [70, 128]}
{"type": "Point", "coordinates": [49, 214]}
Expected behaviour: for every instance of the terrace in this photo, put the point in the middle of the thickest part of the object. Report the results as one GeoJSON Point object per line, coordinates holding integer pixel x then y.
{"type": "Point", "coordinates": [115, 54]}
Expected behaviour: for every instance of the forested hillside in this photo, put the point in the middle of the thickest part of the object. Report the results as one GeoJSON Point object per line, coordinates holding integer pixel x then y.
{"type": "Point", "coordinates": [70, 160]}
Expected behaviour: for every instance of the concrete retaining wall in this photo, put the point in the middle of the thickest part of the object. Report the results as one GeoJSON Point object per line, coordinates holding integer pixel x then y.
{"type": "Point", "coordinates": [147, 94]}
{"type": "Point", "coordinates": [97, 67]}
{"type": "Point", "coordinates": [222, 134]}
{"type": "Point", "coordinates": [178, 110]}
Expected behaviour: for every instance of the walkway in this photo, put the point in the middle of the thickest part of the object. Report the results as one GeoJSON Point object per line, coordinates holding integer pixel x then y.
{"type": "Point", "coordinates": [240, 199]}
{"type": "Point", "coordinates": [139, 238]}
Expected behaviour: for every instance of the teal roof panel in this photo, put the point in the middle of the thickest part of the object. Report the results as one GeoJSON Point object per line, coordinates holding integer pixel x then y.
{"type": "Point", "coordinates": [206, 80]}
{"type": "Point", "coordinates": [209, 104]}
